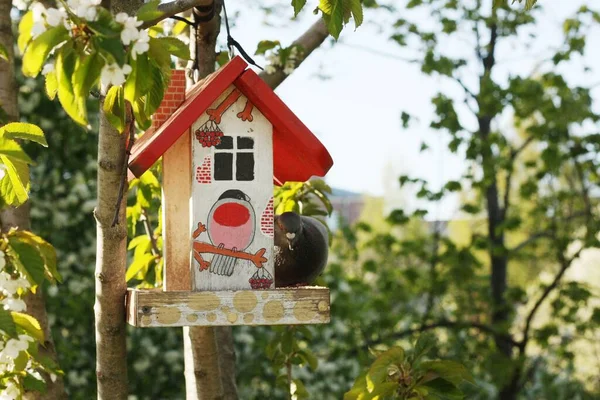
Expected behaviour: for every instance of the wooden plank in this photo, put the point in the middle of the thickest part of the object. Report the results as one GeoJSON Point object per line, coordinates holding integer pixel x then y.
{"type": "Point", "coordinates": [285, 306]}
{"type": "Point", "coordinates": [177, 179]}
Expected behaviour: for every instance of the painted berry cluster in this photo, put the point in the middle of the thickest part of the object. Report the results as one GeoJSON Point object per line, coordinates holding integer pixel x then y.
{"type": "Point", "coordinates": [209, 138]}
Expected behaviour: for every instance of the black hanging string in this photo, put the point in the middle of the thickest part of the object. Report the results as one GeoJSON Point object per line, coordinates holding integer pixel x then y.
{"type": "Point", "coordinates": [231, 43]}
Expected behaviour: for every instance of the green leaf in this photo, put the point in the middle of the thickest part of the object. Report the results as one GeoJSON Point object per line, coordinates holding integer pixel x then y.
{"type": "Point", "coordinates": [13, 150]}
{"type": "Point", "coordinates": [3, 52]}
{"type": "Point", "coordinates": [114, 107]}
{"type": "Point", "coordinates": [75, 106]}
{"type": "Point", "coordinates": [29, 325]}
{"type": "Point", "coordinates": [300, 392]}
{"type": "Point", "coordinates": [139, 112]}
{"type": "Point", "coordinates": [31, 383]}
{"type": "Point", "coordinates": [298, 5]}
{"type": "Point", "coordinates": [51, 85]}
{"type": "Point", "coordinates": [105, 25]}
{"type": "Point", "coordinates": [310, 358]}
{"type": "Point", "coordinates": [15, 185]}
{"type": "Point", "coordinates": [23, 130]}
{"type": "Point", "coordinates": [143, 240]}
{"type": "Point", "coordinates": [137, 83]}
{"type": "Point", "coordinates": [266, 45]}
{"type": "Point", "coordinates": [449, 370]}
{"type": "Point", "coordinates": [87, 74]}
{"type": "Point", "coordinates": [159, 55]}
{"type": "Point", "coordinates": [357, 12]}
{"type": "Point", "coordinates": [175, 47]}
{"type": "Point", "coordinates": [25, 27]}
{"type": "Point", "coordinates": [149, 11]}
{"type": "Point", "coordinates": [443, 389]}
{"type": "Point", "coordinates": [384, 390]}
{"type": "Point", "coordinates": [112, 47]}
{"type": "Point", "coordinates": [333, 14]}
{"type": "Point", "coordinates": [138, 264]}
{"type": "Point", "coordinates": [379, 369]}
{"type": "Point", "coordinates": [37, 51]}
{"type": "Point", "coordinates": [30, 259]}
{"type": "Point", "coordinates": [7, 324]}
{"type": "Point", "coordinates": [45, 249]}
{"type": "Point", "coordinates": [157, 91]}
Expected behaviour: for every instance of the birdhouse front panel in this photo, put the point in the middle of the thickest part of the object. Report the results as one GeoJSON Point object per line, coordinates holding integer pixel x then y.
{"type": "Point", "coordinates": [232, 196]}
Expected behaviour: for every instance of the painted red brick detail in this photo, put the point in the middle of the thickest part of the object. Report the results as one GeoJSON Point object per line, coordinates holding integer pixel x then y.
{"type": "Point", "coordinates": [173, 98]}
{"type": "Point", "coordinates": [203, 172]}
{"type": "Point", "coordinates": [266, 220]}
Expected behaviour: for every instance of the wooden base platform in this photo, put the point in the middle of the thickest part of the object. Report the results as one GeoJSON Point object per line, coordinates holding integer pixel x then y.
{"type": "Point", "coordinates": [285, 306]}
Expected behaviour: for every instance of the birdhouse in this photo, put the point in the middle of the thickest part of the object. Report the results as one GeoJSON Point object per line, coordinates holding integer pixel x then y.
{"type": "Point", "coordinates": [223, 143]}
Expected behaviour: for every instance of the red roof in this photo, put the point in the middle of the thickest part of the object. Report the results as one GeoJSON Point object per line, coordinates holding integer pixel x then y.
{"type": "Point", "coordinates": [297, 153]}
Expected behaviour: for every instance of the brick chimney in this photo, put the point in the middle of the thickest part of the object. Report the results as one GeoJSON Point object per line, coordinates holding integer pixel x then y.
{"type": "Point", "coordinates": [174, 96]}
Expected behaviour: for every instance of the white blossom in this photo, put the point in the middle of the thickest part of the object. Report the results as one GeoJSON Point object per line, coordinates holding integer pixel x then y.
{"type": "Point", "coordinates": [48, 68]}
{"type": "Point", "coordinates": [13, 304]}
{"type": "Point", "coordinates": [39, 25]}
{"type": "Point", "coordinates": [55, 17]}
{"type": "Point", "coordinates": [9, 286]}
{"type": "Point", "coordinates": [270, 69]}
{"type": "Point", "coordinates": [141, 45]}
{"type": "Point", "coordinates": [13, 347]}
{"type": "Point", "coordinates": [21, 4]}
{"type": "Point", "coordinates": [130, 33]}
{"type": "Point", "coordinates": [86, 9]}
{"type": "Point", "coordinates": [2, 259]}
{"type": "Point", "coordinates": [11, 392]}
{"type": "Point", "coordinates": [112, 74]}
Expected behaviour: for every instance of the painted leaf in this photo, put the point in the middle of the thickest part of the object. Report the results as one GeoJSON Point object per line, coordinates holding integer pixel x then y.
{"type": "Point", "coordinates": [37, 51]}
{"type": "Point", "coordinates": [3, 53]}
{"type": "Point", "coordinates": [15, 184]}
{"type": "Point", "coordinates": [51, 85]}
{"type": "Point", "coordinates": [30, 259]}
{"type": "Point", "coordinates": [149, 11]}
{"type": "Point", "coordinates": [13, 150]}
{"type": "Point", "coordinates": [266, 45]}
{"type": "Point", "coordinates": [87, 74]}
{"type": "Point", "coordinates": [175, 47]}
{"type": "Point", "coordinates": [7, 324]}
{"type": "Point", "coordinates": [25, 31]}
{"type": "Point", "coordinates": [298, 5]}
{"type": "Point", "coordinates": [114, 107]}
{"type": "Point", "coordinates": [29, 325]}
{"type": "Point", "coordinates": [65, 67]}
{"type": "Point", "coordinates": [333, 14]}
{"type": "Point", "coordinates": [22, 130]}
{"type": "Point", "coordinates": [379, 369]}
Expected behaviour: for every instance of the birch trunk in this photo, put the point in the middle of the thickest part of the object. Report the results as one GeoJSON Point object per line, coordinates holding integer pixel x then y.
{"type": "Point", "coordinates": [19, 217]}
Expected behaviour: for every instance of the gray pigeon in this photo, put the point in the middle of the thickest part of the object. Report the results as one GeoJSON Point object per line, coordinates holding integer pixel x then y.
{"type": "Point", "coordinates": [301, 248]}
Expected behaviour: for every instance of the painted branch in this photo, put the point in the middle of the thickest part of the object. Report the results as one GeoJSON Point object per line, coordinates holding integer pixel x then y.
{"type": "Point", "coordinates": [246, 114]}
{"type": "Point", "coordinates": [257, 259]}
{"type": "Point", "coordinates": [309, 41]}
{"type": "Point", "coordinates": [19, 217]}
{"type": "Point", "coordinates": [216, 113]}
{"type": "Point", "coordinates": [175, 7]}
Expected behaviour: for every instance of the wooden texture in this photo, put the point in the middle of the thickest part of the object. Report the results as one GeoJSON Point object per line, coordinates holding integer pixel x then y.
{"type": "Point", "coordinates": [246, 249]}
{"type": "Point", "coordinates": [155, 308]}
{"type": "Point", "coordinates": [177, 167]}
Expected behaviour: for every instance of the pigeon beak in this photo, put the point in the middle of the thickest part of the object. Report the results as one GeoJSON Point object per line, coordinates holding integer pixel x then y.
{"type": "Point", "coordinates": [290, 237]}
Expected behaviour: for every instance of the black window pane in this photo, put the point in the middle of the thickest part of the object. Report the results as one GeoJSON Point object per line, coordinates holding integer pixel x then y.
{"type": "Point", "coordinates": [244, 142]}
{"type": "Point", "coordinates": [226, 143]}
{"type": "Point", "coordinates": [244, 167]}
{"type": "Point", "coordinates": [223, 166]}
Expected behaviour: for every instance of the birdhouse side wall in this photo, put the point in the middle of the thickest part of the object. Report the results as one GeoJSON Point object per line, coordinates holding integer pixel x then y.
{"type": "Point", "coordinates": [232, 196]}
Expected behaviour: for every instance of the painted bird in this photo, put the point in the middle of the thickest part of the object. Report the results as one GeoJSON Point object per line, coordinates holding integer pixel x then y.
{"type": "Point", "coordinates": [230, 225]}
{"type": "Point", "coordinates": [302, 246]}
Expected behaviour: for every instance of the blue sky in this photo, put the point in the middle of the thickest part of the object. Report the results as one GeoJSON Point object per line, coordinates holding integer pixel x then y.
{"type": "Point", "coordinates": [356, 110]}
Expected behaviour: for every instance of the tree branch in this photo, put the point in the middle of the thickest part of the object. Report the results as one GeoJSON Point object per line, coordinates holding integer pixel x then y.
{"type": "Point", "coordinates": [309, 41]}
{"type": "Point", "coordinates": [507, 184]}
{"type": "Point", "coordinates": [452, 325]}
{"type": "Point", "coordinates": [175, 7]}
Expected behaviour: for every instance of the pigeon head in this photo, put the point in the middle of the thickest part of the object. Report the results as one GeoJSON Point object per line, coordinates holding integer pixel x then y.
{"type": "Point", "coordinates": [290, 225]}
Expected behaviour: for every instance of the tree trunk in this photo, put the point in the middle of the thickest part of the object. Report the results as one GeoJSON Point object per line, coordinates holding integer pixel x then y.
{"type": "Point", "coordinates": [19, 217]}
{"type": "Point", "coordinates": [111, 253]}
